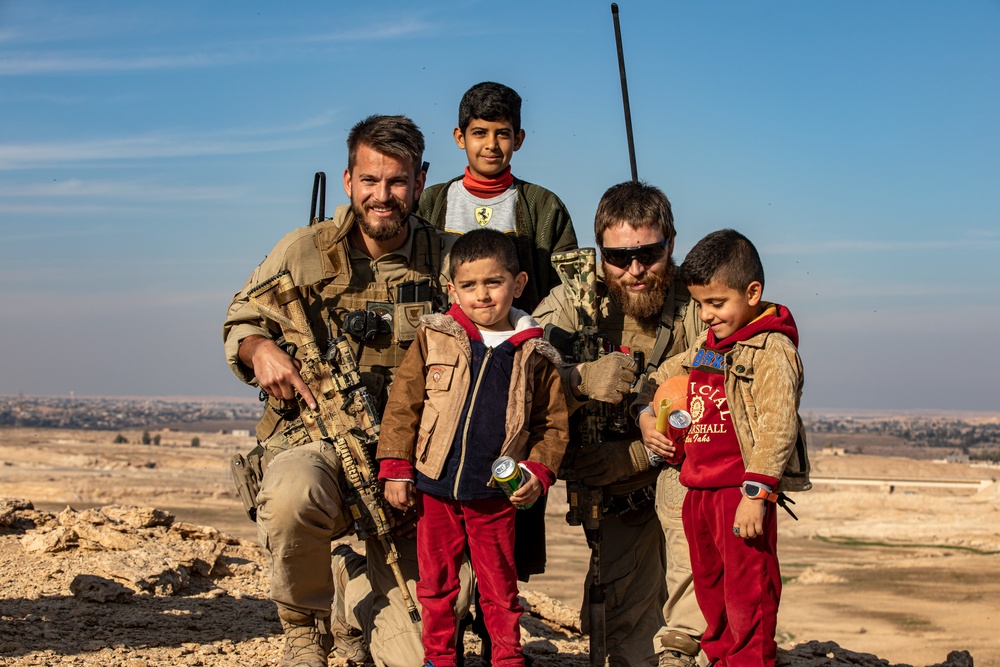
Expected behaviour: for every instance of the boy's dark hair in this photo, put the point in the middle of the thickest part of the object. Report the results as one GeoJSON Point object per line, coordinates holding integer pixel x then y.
{"type": "Point", "coordinates": [490, 101]}
{"type": "Point", "coordinates": [397, 136]}
{"type": "Point", "coordinates": [484, 244]}
{"type": "Point", "coordinates": [637, 204]}
{"type": "Point", "coordinates": [726, 256]}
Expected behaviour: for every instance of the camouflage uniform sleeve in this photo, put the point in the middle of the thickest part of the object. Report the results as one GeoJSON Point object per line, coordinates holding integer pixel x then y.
{"type": "Point", "coordinates": [295, 252]}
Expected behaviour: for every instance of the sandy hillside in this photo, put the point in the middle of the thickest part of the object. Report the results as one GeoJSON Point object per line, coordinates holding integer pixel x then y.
{"type": "Point", "coordinates": [908, 573]}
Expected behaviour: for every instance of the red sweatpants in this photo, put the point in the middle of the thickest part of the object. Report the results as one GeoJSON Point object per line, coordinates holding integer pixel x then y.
{"type": "Point", "coordinates": [736, 581]}
{"type": "Point", "coordinates": [444, 528]}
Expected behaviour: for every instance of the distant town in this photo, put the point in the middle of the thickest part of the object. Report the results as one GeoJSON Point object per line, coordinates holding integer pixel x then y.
{"type": "Point", "coordinates": [935, 436]}
{"type": "Point", "coordinates": [111, 414]}
{"type": "Point", "coordinates": [932, 436]}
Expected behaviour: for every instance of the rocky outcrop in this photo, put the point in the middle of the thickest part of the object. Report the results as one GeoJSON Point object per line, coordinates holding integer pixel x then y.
{"type": "Point", "coordinates": [122, 585]}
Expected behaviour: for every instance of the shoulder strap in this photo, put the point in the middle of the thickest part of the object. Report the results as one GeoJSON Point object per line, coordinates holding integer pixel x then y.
{"type": "Point", "coordinates": [665, 331]}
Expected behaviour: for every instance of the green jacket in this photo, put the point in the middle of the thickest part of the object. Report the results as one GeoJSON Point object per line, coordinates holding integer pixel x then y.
{"type": "Point", "coordinates": [543, 227]}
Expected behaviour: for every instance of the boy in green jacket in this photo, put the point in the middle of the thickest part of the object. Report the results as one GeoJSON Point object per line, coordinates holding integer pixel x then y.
{"type": "Point", "coordinates": [489, 196]}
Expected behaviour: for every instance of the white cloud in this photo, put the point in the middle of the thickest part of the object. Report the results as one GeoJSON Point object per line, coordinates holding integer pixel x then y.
{"type": "Point", "coordinates": [230, 53]}
{"type": "Point", "coordinates": [30, 64]}
{"type": "Point", "coordinates": [404, 28]}
{"type": "Point", "coordinates": [28, 156]}
{"type": "Point", "coordinates": [120, 190]}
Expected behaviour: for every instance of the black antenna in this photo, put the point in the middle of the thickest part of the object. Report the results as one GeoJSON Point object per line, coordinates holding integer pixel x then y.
{"type": "Point", "coordinates": [628, 112]}
{"type": "Point", "coordinates": [317, 212]}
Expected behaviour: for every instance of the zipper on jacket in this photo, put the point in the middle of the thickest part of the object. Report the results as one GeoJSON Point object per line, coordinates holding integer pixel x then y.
{"type": "Point", "coordinates": [468, 419]}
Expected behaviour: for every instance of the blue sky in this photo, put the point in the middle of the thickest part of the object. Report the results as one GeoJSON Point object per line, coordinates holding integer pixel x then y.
{"type": "Point", "coordinates": [152, 153]}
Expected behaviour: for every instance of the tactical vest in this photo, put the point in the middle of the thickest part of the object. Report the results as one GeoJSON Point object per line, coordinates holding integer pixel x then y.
{"type": "Point", "coordinates": [626, 331]}
{"type": "Point", "coordinates": [338, 291]}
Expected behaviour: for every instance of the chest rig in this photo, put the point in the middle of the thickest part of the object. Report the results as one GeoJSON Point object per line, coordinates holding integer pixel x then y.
{"type": "Point", "coordinates": [378, 309]}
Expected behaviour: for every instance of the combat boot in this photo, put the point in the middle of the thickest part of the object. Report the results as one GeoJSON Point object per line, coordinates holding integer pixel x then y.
{"type": "Point", "coordinates": [349, 642]}
{"type": "Point", "coordinates": [307, 640]}
{"type": "Point", "coordinates": [671, 658]}
{"type": "Point", "coordinates": [680, 650]}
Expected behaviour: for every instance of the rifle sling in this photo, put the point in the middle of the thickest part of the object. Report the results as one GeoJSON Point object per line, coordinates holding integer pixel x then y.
{"type": "Point", "coordinates": [664, 335]}
{"type": "Point", "coordinates": [288, 296]}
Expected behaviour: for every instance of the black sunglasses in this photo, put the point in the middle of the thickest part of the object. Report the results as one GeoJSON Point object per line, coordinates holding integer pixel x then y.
{"type": "Point", "coordinates": [647, 255]}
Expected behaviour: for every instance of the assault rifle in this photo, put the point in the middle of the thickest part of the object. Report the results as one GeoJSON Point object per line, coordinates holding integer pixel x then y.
{"type": "Point", "coordinates": [595, 421]}
{"type": "Point", "coordinates": [345, 413]}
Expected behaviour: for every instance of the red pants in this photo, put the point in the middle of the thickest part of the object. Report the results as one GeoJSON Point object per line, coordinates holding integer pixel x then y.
{"type": "Point", "coordinates": [736, 581]}
{"type": "Point", "coordinates": [444, 529]}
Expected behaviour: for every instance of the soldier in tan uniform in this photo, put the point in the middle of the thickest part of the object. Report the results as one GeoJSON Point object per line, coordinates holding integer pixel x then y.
{"type": "Point", "coordinates": [652, 617]}
{"type": "Point", "coordinates": [369, 272]}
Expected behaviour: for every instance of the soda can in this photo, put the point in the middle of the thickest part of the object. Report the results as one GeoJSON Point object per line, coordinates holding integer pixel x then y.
{"type": "Point", "coordinates": [678, 423]}
{"type": "Point", "coordinates": [509, 477]}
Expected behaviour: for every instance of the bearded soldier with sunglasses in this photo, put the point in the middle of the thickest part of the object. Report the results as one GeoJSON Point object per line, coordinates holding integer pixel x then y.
{"type": "Point", "coordinates": [651, 615]}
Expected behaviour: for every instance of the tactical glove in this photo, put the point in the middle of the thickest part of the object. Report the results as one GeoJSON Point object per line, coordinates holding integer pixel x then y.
{"type": "Point", "coordinates": [602, 464]}
{"type": "Point", "coordinates": [609, 378]}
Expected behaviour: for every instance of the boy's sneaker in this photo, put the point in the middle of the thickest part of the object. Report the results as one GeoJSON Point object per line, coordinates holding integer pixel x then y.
{"type": "Point", "coordinates": [676, 659]}
{"type": "Point", "coordinates": [308, 644]}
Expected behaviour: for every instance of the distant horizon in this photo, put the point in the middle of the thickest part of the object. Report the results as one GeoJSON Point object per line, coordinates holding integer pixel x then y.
{"type": "Point", "coordinates": [804, 411]}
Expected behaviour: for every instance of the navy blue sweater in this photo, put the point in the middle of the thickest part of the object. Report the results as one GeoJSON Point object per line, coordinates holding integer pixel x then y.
{"type": "Point", "coordinates": [481, 428]}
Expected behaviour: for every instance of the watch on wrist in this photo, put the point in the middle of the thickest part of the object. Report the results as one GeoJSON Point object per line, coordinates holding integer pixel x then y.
{"type": "Point", "coordinates": [758, 491]}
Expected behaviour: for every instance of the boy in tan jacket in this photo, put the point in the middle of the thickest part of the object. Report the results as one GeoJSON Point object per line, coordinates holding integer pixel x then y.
{"type": "Point", "coordinates": [477, 383]}
{"type": "Point", "coordinates": [745, 446]}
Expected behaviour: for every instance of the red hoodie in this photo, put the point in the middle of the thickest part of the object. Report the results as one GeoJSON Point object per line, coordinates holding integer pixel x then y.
{"type": "Point", "coordinates": [713, 452]}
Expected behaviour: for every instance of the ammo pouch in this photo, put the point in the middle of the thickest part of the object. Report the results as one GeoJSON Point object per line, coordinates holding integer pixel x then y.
{"type": "Point", "coordinates": [247, 472]}
{"type": "Point", "coordinates": [274, 435]}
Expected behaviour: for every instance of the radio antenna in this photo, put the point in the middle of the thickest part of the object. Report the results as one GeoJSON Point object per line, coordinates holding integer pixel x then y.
{"type": "Point", "coordinates": [628, 112]}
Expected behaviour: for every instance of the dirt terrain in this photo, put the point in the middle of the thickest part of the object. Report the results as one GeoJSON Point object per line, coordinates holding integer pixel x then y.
{"type": "Point", "coordinates": [879, 562]}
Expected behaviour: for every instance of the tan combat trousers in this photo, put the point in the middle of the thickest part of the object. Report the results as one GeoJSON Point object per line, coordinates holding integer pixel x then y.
{"type": "Point", "coordinates": [680, 613]}
{"type": "Point", "coordinates": [632, 569]}
{"type": "Point", "coordinates": [299, 511]}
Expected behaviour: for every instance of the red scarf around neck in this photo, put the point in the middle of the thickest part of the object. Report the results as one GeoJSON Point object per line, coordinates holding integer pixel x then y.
{"type": "Point", "coordinates": [488, 189]}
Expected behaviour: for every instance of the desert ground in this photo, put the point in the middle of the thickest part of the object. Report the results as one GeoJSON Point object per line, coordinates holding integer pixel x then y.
{"type": "Point", "coordinates": [891, 556]}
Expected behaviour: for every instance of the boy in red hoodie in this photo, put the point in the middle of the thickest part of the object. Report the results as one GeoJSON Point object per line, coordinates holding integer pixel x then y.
{"type": "Point", "coordinates": [746, 445]}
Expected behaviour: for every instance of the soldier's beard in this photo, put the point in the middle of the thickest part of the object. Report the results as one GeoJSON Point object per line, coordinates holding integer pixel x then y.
{"type": "Point", "coordinates": [381, 229]}
{"type": "Point", "coordinates": [643, 306]}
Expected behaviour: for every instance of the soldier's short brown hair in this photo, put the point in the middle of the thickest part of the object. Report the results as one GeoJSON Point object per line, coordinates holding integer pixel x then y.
{"type": "Point", "coordinates": [396, 136]}
{"type": "Point", "coordinates": [638, 205]}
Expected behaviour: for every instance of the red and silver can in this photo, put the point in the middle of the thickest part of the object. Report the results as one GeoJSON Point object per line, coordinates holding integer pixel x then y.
{"type": "Point", "coordinates": [678, 423]}
{"type": "Point", "coordinates": [509, 477]}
